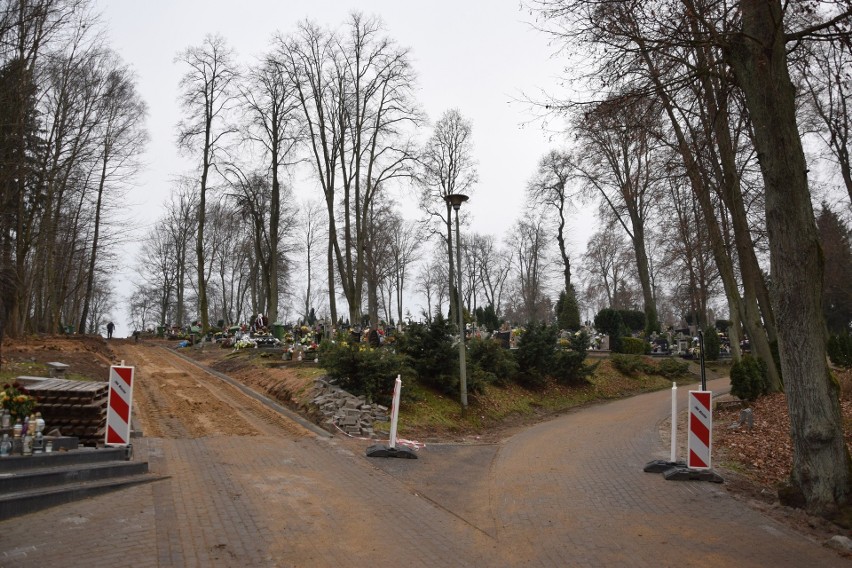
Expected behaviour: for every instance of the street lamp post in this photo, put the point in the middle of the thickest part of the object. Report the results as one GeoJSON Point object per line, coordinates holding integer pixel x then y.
{"type": "Point", "coordinates": [456, 199]}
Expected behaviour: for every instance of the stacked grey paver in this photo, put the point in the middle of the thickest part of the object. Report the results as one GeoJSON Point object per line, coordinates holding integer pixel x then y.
{"type": "Point", "coordinates": [351, 414]}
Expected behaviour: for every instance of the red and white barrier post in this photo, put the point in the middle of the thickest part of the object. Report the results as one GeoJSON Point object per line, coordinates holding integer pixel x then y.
{"type": "Point", "coordinates": [119, 405]}
{"type": "Point", "coordinates": [700, 438]}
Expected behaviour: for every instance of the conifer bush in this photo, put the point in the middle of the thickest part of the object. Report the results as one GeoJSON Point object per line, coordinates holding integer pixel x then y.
{"type": "Point", "coordinates": [634, 346]}
{"type": "Point", "coordinates": [491, 363]}
{"type": "Point", "coordinates": [671, 368]}
{"type": "Point", "coordinates": [535, 355]}
{"type": "Point", "coordinates": [431, 354]}
{"type": "Point", "coordinates": [712, 344]}
{"type": "Point", "coordinates": [840, 350]}
{"type": "Point", "coordinates": [632, 365]}
{"type": "Point", "coordinates": [749, 378]}
{"type": "Point", "coordinates": [362, 370]}
{"type": "Point", "coordinates": [569, 365]}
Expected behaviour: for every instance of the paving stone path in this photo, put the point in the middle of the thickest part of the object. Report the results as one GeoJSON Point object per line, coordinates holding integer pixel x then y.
{"type": "Point", "coordinates": [567, 492]}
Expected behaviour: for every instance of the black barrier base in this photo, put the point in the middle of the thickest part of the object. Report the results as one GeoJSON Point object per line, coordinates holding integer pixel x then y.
{"type": "Point", "coordinates": [660, 466]}
{"type": "Point", "coordinates": [380, 451]}
{"type": "Point", "coordinates": [686, 474]}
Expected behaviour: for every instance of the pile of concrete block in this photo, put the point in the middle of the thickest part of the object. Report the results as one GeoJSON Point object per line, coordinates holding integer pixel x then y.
{"type": "Point", "coordinates": [345, 411]}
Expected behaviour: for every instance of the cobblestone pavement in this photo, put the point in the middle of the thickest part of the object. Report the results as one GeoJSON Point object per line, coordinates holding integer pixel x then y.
{"type": "Point", "coordinates": [567, 492]}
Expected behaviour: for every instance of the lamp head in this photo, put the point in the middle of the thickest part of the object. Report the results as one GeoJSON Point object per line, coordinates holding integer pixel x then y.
{"type": "Point", "coordinates": [455, 199]}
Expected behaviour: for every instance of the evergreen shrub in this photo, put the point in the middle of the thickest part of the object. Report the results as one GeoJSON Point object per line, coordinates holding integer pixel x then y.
{"type": "Point", "coordinates": [632, 365]}
{"type": "Point", "coordinates": [535, 355]}
{"type": "Point", "coordinates": [712, 345]}
{"type": "Point", "coordinates": [634, 320]}
{"type": "Point", "coordinates": [569, 366]}
{"type": "Point", "coordinates": [840, 350]}
{"type": "Point", "coordinates": [488, 356]}
{"type": "Point", "coordinates": [634, 346]}
{"type": "Point", "coordinates": [609, 321]}
{"type": "Point", "coordinates": [749, 378]}
{"type": "Point", "coordinates": [362, 370]}
{"type": "Point", "coordinates": [672, 368]}
{"type": "Point", "coordinates": [431, 354]}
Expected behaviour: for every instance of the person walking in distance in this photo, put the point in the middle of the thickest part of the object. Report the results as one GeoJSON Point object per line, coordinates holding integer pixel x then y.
{"type": "Point", "coordinates": [110, 327]}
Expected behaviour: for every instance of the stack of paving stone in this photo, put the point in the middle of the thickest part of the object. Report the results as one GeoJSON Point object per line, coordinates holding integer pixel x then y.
{"type": "Point", "coordinates": [342, 410]}
{"type": "Point", "coordinates": [76, 408]}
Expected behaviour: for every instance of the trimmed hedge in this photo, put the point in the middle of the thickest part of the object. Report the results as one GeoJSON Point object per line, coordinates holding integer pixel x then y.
{"type": "Point", "coordinates": [634, 346]}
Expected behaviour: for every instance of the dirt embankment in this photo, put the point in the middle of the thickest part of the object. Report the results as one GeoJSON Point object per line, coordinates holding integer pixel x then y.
{"type": "Point", "coordinates": [172, 397]}
{"type": "Point", "coordinates": [89, 356]}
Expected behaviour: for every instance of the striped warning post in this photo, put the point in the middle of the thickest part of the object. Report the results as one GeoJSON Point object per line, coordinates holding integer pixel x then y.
{"type": "Point", "coordinates": [700, 429]}
{"type": "Point", "coordinates": [119, 405]}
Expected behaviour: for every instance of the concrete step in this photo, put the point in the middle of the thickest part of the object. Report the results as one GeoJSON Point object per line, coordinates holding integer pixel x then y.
{"type": "Point", "coordinates": [30, 479]}
{"type": "Point", "coordinates": [32, 483]}
{"type": "Point", "coordinates": [17, 463]}
{"type": "Point", "coordinates": [24, 502]}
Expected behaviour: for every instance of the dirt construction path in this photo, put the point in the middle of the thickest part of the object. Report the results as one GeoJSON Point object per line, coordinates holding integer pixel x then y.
{"type": "Point", "coordinates": [244, 486]}
{"type": "Point", "coordinates": [175, 399]}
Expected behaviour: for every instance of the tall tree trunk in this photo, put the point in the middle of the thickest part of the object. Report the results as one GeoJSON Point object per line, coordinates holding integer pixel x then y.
{"type": "Point", "coordinates": [651, 323]}
{"type": "Point", "coordinates": [274, 222]}
{"type": "Point", "coordinates": [332, 297]}
{"type": "Point", "coordinates": [202, 216]}
{"type": "Point", "coordinates": [452, 271]}
{"type": "Point", "coordinates": [90, 277]}
{"type": "Point", "coordinates": [757, 313]}
{"type": "Point", "coordinates": [821, 461]}
{"type": "Point", "coordinates": [181, 286]}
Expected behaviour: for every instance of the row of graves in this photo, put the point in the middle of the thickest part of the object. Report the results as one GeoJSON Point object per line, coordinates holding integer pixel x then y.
{"type": "Point", "coordinates": [301, 342]}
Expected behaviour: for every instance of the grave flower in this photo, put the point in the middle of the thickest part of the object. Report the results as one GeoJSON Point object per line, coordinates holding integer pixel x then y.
{"type": "Point", "coordinates": [18, 404]}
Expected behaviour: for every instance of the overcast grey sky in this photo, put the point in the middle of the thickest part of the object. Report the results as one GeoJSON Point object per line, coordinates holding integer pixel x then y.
{"type": "Point", "coordinates": [477, 56]}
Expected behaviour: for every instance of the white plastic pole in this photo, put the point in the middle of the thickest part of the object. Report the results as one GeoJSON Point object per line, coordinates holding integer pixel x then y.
{"type": "Point", "coordinates": [674, 422]}
{"type": "Point", "coordinates": [397, 387]}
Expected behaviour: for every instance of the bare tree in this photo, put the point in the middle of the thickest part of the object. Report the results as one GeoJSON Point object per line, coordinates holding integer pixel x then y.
{"type": "Point", "coordinates": [431, 282]}
{"type": "Point", "coordinates": [311, 230]}
{"type": "Point", "coordinates": [494, 265]}
{"type": "Point", "coordinates": [404, 244]}
{"type": "Point", "coordinates": [208, 93]}
{"type": "Point", "coordinates": [355, 91]}
{"type": "Point", "coordinates": [120, 135]}
{"type": "Point", "coordinates": [274, 113]}
{"type": "Point", "coordinates": [27, 31]}
{"type": "Point", "coordinates": [531, 262]}
{"type": "Point", "coordinates": [378, 255]}
{"type": "Point", "coordinates": [550, 189]}
{"type": "Point", "coordinates": [447, 167]}
{"type": "Point", "coordinates": [821, 475]}
{"type": "Point", "coordinates": [158, 268]}
{"type": "Point", "coordinates": [826, 73]}
{"type": "Point", "coordinates": [687, 259]}
{"type": "Point", "coordinates": [622, 164]}
{"type": "Point", "coordinates": [607, 262]}
{"type": "Point", "coordinates": [143, 305]}
{"type": "Point", "coordinates": [181, 213]}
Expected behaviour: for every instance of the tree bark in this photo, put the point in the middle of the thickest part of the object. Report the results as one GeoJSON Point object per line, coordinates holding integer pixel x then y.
{"type": "Point", "coordinates": [821, 462]}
